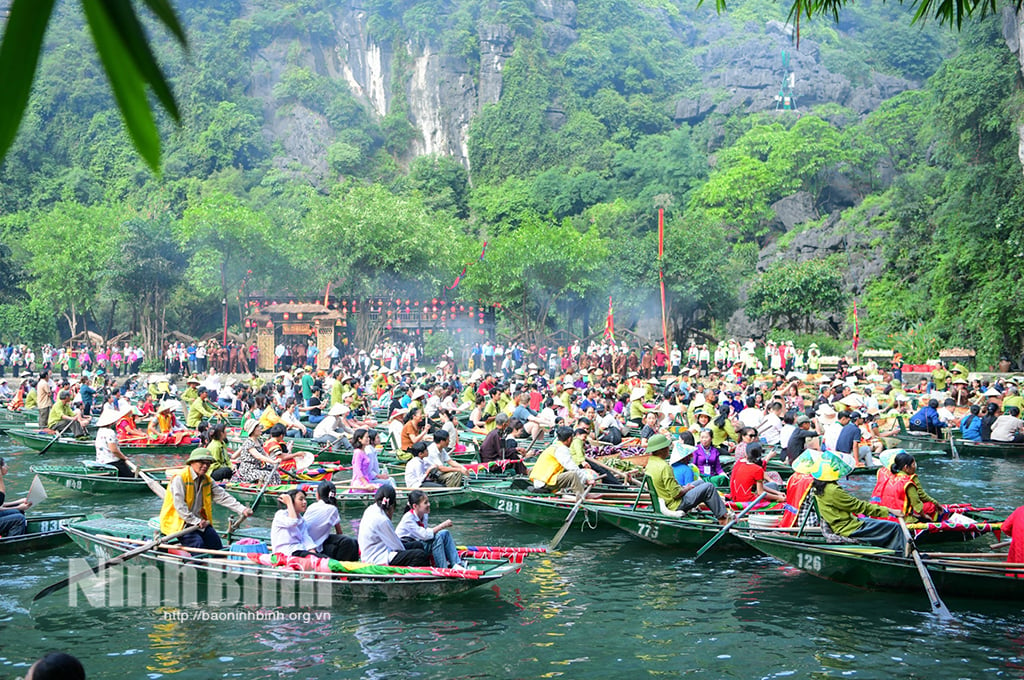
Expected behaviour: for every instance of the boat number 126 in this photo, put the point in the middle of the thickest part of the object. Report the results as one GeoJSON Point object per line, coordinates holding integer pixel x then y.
{"type": "Point", "coordinates": [808, 562]}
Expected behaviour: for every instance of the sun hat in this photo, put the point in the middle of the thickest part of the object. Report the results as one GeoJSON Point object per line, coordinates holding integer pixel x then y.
{"type": "Point", "coordinates": [657, 443]}
{"type": "Point", "coordinates": [680, 452]}
{"type": "Point", "coordinates": [338, 410]}
{"type": "Point", "coordinates": [200, 455]}
{"type": "Point", "coordinates": [637, 394]}
{"type": "Point", "coordinates": [167, 405]}
{"type": "Point", "coordinates": [250, 426]}
{"type": "Point", "coordinates": [110, 416]}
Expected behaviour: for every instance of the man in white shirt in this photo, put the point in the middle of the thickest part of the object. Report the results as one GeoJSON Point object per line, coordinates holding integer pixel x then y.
{"type": "Point", "coordinates": [770, 429]}
{"type": "Point", "coordinates": [450, 472]}
{"type": "Point", "coordinates": [1008, 427]}
{"type": "Point", "coordinates": [418, 468]}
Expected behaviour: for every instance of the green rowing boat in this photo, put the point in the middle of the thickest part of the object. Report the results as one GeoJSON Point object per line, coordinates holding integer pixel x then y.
{"type": "Point", "coordinates": [90, 478]}
{"type": "Point", "coordinates": [543, 510]}
{"type": "Point", "coordinates": [37, 440]}
{"type": "Point", "coordinates": [221, 574]}
{"type": "Point", "coordinates": [863, 566]}
{"type": "Point", "coordinates": [44, 531]}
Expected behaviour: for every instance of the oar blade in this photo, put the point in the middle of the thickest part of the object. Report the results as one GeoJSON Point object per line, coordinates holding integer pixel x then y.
{"type": "Point", "coordinates": [568, 522]}
{"type": "Point", "coordinates": [725, 529]}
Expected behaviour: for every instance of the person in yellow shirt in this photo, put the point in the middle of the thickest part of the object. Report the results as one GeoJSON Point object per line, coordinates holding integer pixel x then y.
{"type": "Point", "coordinates": [189, 501]}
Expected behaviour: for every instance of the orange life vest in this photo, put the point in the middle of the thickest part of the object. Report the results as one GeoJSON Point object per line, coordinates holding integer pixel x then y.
{"type": "Point", "coordinates": [797, 487]}
{"type": "Point", "coordinates": [894, 495]}
{"type": "Point", "coordinates": [882, 476]}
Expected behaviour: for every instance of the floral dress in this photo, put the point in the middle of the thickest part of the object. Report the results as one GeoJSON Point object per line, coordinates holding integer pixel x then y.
{"type": "Point", "coordinates": [251, 469]}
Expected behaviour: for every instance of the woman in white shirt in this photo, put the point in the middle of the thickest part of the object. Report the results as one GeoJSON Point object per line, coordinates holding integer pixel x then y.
{"type": "Point", "coordinates": [324, 524]}
{"type": "Point", "coordinates": [415, 532]}
{"type": "Point", "coordinates": [108, 452]}
{"type": "Point", "coordinates": [378, 542]}
{"type": "Point", "coordinates": [289, 533]}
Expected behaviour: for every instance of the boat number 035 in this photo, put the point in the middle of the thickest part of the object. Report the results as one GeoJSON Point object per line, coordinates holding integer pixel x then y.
{"type": "Point", "coordinates": [646, 530]}
{"type": "Point", "coordinates": [508, 506]}
{"type": "Point", "coordinates": [808, 562]}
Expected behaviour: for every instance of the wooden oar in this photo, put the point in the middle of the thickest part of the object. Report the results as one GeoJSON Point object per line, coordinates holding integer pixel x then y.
{"type": "Point", "coordinates": [232, 523]}
{"type": "Point", "coordinates": [724, 530]}
{"type": "Point", "coordinates": [123, 557]}
{"type": "Point", "coordinates": [154, 486]}
{"type": "Point", "coordinates": [938, 606]}
{"type": "Point", "coordinates": [952, 446]}
{"type": "Point", "coordinates": [568, 521]}
{"type": "Point", "coordinates": [54, 440]}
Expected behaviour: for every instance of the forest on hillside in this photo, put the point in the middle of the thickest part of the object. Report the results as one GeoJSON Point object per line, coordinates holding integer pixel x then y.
{"type": "Point", "coordinates": [566, 174]}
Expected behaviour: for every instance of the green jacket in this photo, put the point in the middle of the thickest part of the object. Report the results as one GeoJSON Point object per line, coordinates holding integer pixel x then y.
{"type": "Point", "coordinates": [839, 509]}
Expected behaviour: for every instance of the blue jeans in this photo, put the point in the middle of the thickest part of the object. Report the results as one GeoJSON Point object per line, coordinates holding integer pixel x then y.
{"type": "Point", "coordinates": [12, 523]}
{"type": "Point", "coordinates": [442, 548]}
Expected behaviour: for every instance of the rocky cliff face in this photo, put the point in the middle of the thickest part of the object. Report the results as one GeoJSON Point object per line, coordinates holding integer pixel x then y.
{"type": "Point", "coordinates": [749, 76]}
{"type": "Point", "coordinates": [442, 92]}
{"type": "Point", "coordinates": [1013, 33]}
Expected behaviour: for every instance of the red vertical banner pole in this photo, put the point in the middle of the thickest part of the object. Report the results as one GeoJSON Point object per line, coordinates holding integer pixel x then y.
{"type": "Point", "coordinates": [661, 275]}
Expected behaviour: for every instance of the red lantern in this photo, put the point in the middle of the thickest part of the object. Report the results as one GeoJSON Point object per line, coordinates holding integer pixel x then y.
{"type": "Point", "coordinates": [434, 317]}
{"type": "Point", "coordinates": [286, 316]}
{"type": "Point", "coordinates": [299, 316]}
{"type": "Point", "coordinates": [462, 308]}
{"type": "Point", "coordinates": [398, 301]}
{"type": "Point", "coordinates": [270, 325]}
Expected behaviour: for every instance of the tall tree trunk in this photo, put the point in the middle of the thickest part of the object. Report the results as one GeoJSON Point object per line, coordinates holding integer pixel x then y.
{"type": "Point", "coordinates": [110, 320]}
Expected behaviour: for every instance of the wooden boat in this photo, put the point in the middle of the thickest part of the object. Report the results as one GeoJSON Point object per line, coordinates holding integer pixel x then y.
{"type": "Point", "coordinates": [966, 447]}
{"type": "Point", "coordinates": [37, 440]}
{"type": "Point", "coordinates": [44, 531]}
{"type": "Point", "coordinates": [25, 416]}
{"type": "Point", "coordinates": [546, 510]}
{"type": "Point", "coordinates": [91, 478]}
{"type": "Point", "coordinates": [106, 538]}
{"type": "Point", "coordinates": [864, 566]}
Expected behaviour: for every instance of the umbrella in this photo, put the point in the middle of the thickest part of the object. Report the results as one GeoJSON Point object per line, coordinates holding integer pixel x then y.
{"type": "Point", "coordinates": [822, 465]}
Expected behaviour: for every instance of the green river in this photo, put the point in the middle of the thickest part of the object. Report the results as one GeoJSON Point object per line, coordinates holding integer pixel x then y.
{"type": "Point", "coordinates": [604, 605]}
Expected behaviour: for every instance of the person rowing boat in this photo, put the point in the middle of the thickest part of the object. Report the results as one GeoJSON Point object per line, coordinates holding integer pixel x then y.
{"type": "Point", "coordinates": [676, 500]}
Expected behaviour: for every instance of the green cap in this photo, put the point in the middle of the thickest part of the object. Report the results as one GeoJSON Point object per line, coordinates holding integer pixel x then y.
{"type": "Point", "coordinates": [657, 443]}
{"type": "Point", "coordinates": [200, 455]}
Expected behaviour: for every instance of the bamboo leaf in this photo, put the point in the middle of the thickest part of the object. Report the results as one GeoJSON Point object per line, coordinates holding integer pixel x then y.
{"type": "Point", "coordinates": [163, 10]}
{"type": "Point", "coordinates": [19, 55]}
{"type": "Point", "coordinates": [133, 37]}
{"type": "Point", "coordinates": [126, 82]}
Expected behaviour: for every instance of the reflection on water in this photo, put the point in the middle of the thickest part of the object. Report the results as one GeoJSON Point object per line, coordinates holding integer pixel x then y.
{"type": "Point", "coordinates": [603, 606]}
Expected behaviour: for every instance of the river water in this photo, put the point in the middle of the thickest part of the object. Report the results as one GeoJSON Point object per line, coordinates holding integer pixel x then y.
{"type": "Point", "coordinates": [604, 605]}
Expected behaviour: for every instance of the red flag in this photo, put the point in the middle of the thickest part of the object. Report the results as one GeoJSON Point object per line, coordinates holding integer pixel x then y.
{"type": "Point", "coordinates": [609, 323]}
{"type": "Point", "coordinates": [661, 273]}
{"type": "Point", "coordinates": [856, 327]}
{"type": "Point", "coordinates": [327, 293]}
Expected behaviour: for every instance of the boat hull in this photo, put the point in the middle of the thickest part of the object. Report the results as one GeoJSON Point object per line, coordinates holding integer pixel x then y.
{"type": "Point", "coordinates": [37, 441]}
{"type": "Point", "coordinates": [879, 569]}
{"type": "Point", "coordinates": [44, 532]}
{"type": "Point", "coordinates": [80, 478]}
{"type": "Point", "coordinates": [105, 538]}
{"type": "Point", "coordinates": [670, 532]}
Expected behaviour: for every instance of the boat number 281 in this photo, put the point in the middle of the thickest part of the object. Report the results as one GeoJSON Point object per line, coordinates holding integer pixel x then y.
{"type": "Point", "coordinates": [808, 562]}
{"type": "Point", "coordinates": [508, 506]}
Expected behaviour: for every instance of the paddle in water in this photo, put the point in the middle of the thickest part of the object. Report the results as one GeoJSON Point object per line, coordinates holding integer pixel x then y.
{"type": "Point", "coordinates": [113, 561]}
{"type": "Point", "coordinates": [938, 606]}
{"type": "Point", "coordinates": [724, 530]}
{"type": "Point", "coordinates": [56, 437]}
{"type": "Point", "coordinates": [154, 486]}
{"type": "Point", "coordinates": [568, 520]}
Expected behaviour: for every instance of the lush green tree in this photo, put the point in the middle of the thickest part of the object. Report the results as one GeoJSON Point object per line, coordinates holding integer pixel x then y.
{"type": "Point", "coordinates": [370, 241]}
{"type": "Point", "coordinates": [443, 182]}
{"type": "Point", "coordinates": [795, 293]}
{"type": "Point", "coordinates": [32, 323]}
{"type": "Point", "coordinates": [69, 249]}
{"type": "Point", "coordinates": [529, 270]}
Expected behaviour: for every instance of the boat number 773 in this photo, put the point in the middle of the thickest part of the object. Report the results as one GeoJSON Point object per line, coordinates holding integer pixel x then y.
{"type": "Point", "coordinates": [508, 506]}
{"type": "Point", "coordinates": [647, 530]}
{"type": "Point", "coordinates": [808, 562]}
